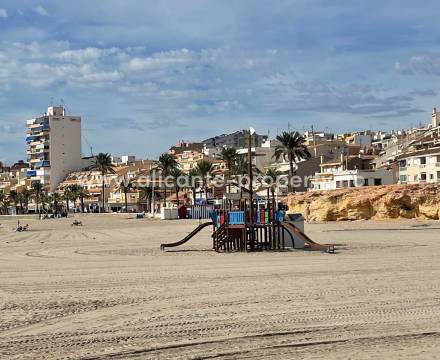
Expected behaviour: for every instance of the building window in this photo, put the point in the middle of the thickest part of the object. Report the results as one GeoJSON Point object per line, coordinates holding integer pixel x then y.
{"type": "Point", "coordinates": [365, 182]}
{"type": "Point", "coordinates": [377, 182]}
{"type": "Point", "coordinates": [351, 183]}
{"type": "Point", "coordinates": [431, 176]}
{"type": "Point", "coordinates": [423, 176]}
{"type": "Point", "coordinates": [423, 160]}
{"type": "Point", "coordinates": [402, 178]}
{"type": "Point", "coordinates": [338, 184]}
{"type": "Point", "coordinates": [345, 183]}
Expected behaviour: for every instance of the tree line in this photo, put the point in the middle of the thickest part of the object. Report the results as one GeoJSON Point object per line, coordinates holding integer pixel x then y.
{"type": "Point", "coordinates": [291, 148]}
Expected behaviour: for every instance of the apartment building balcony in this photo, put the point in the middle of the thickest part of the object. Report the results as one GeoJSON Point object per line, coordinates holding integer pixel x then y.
{"type": "Point", "coordinates": [422, 166]}
{"type": "Point", "coordinates": [42, 145]}
{"type": "Point", "coordinates": [44, 163]}
{"type": "Point", "coordinates": [437, 164]}
{"type": "Point", "coordinates": [31, 138]}
{"type": "Point", "coordinates": [35, 142]}
{"type": "Point", "coordinates": [402, 169]}
{"type": "Point", "coordinates": [39, 128]}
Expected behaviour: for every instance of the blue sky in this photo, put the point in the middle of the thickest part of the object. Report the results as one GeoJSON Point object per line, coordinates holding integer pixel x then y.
{"type": "Point", "coordinates": [144, 74]}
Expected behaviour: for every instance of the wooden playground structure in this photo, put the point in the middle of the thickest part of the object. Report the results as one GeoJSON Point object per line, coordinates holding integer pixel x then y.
{"type": "Point", "coordinates": [233, 231]}
{"type": "Point", "coordinates": [243, 227]}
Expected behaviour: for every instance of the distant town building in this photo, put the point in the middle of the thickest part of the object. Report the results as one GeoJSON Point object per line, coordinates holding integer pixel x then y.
{"type": "Point", "coordinates": [421, 166]}
{"type": "Point", "coordinates": [13, 177]}
{"type": "Point", "coordinates": [124, 159]}
{"type": "Point", "coordinates": [315, 137]}
{"type": "Point", "coordinates": [91, 181]}
{"type": "Point", "coordinates": [53, 146]}
{"type": "Point", "coordinates": [237, 139]}
{"type": "Point", "coordinates": [349, 171]}
{"type": "Point", "coordinates": [187, 154]}
{"type": "Point", "coordinates": [361, 139]}
{"type": "Point", "coordinates": [435, 118]}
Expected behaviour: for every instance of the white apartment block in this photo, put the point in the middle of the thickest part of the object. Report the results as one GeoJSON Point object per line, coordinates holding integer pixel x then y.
{"type": "Point", "coordinates": [339, 179]}
{"type": "Point", "coordinates": [419, 167]}
{"type": "Point", "coordinates": [53, 146]}
{"type": "Point", "coordinates": [349, 172]}
{"type": "Point", "coordinates": [124, 159]}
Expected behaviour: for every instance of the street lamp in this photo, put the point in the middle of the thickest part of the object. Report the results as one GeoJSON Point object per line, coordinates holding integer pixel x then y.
{"type": "Point", "coordinates": [251, 190]}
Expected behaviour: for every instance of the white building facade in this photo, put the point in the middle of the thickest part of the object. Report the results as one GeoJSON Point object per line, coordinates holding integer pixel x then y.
{"type": "Point", "coordinates": [340, 179]}
{"type": "Point", "coordinates": [53, 146]}
{"type": "Point", "coordinates": [419, 167]}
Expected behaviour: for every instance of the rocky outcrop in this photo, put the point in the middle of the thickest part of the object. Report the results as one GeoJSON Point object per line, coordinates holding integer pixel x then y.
{"type": "Point", "coordinates": [379, 202]}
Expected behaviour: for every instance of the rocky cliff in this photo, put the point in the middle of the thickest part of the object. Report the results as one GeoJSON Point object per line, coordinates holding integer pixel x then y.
{"type": "Point", "coordinates": [379, 202]}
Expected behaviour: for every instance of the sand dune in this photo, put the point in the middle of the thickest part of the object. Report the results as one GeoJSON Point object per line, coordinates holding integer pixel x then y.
{"type": "Point", "coordinates": [105, 291]}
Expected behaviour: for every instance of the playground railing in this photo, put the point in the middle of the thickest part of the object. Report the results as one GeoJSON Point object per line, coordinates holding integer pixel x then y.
{"type": "Point", "coordinates": [236, 217]}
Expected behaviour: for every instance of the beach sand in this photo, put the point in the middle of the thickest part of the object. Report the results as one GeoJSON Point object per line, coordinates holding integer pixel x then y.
{"type": "Point", "coordinates": [105, 291]}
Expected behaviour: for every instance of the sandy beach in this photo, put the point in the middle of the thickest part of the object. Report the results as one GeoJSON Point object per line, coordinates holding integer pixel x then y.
{"type": "Point", "coordinates": [105, 291]}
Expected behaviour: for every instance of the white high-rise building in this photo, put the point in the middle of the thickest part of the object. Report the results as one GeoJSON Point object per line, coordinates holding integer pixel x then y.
{"type": "Point", "coordinates": [53, 146]}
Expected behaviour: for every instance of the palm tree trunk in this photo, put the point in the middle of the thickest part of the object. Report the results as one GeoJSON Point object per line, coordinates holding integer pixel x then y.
{"type": "Point", "coordinates": [229, 176]}
{"type": "Point", "coordinates": [165, 196]}
{"type": "Point", "coordinates": [126, 201]}
{"type": "Point", "coordinates": [67, 205]}
{"type": "Point", "coordinates": [37, 200]}
{"type": "Point", "coordinates": [268, 198]}
{"type": "Point", "coordinates": [290, 187]}
{"type": "Point", "coordinates": [103, 194]}
{"type": "Point", "coordinates": [177, 195]}
{"type": "Point", "coordinates": [82, 204]}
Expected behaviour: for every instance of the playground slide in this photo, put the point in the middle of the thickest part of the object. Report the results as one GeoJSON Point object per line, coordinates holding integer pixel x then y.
{"type": "Point", "coordinates": [314, 245]}
{"type": "Point", "coordinates": [187, 237]}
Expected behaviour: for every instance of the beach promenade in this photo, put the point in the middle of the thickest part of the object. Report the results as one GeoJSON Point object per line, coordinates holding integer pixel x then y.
{"type": "Point", "coordinates": [105, 291]}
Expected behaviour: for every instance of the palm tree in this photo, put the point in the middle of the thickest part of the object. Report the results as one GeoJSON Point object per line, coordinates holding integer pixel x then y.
{"type": "Point", "coordinates": [37, 191]}
{"type": "Point", "coordinates": [55, 200]}
{"type": "Point", "coordinates": [125, 187]}
{"type": "Point", "coordinates": [229, 155]}
{"type": "Point", "coordinates": [25, 195]}
{"type": "Point", "coordinates": [82, 193]}
{"type": "Point", "coordinates": [193, 180]}
{"type": "Point", "coordinates": [146, 193]}
{"type": "Point", "coordinates": [14, 197]}
{"type": "Point", "coordinates": [240, 167]}
{"type": "Point", "coordinates": [292, 148]}
{"type": "Point", "coordinates": [165, 165]}
{"type": "Point", "coordinates": [176, 173]}
{"type": "Point", "coordinates": [103, 164]}
{"type": "Point", "coordinates": [69, 195]}
{"type": "Point", "coordinates": [204, 169]}
{"type": "Point", "coordinates": [271, 176]}
{"type": "Point", "coordinates": [45, 199]}
{"type": "Point", "coordinates": [20, 200]}
{"type": "Point", "coordinates": [4, 203]}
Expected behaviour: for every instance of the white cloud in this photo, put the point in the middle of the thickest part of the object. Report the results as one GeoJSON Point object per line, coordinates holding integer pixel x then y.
{"type": "Point", "coordinates": [41, 11]}
{"type": "Point", "coordinates": [162, 59]}
{"type": "Point", "coordinates": [3, 13]}
{"type": "Point", "coordinates": [420, 64]}
{"type": "Point", "coordinates": [84, 55]}
{"type": "Point", "coordinates": [186, 83]}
